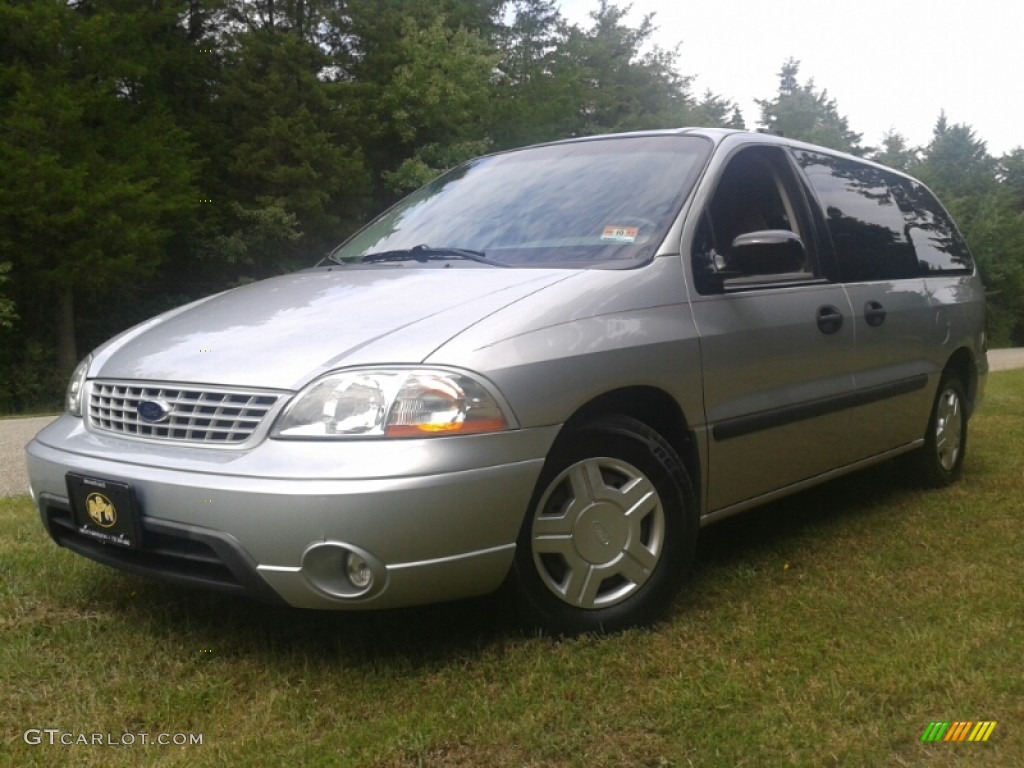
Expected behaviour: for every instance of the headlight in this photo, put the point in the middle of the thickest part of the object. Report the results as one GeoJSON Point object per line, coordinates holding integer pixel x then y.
{"type": "Point", "coordinates": [391, 403]}
{"type": "Point", "coordinates": [73, 398]}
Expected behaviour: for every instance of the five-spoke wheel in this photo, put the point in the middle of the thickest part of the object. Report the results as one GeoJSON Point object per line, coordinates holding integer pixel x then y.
{"type": "Point", "coordinates": [598, 533]}
{"type": "Point", "coordinates": [610, 531]}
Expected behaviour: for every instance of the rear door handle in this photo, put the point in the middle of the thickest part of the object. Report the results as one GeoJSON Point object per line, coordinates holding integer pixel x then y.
{"type": "Point", "coordinates": [830, 319]}
{"type": "Point", "coordinates": [874, 314]}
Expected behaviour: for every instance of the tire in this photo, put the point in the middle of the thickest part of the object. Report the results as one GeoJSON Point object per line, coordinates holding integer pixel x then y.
{"type": "Point", "coordinates": [940, 460]}
{"type": "Point", "coordinates": [610, 531]}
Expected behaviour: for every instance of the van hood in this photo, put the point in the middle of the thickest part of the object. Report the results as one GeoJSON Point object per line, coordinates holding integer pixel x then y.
{"type": "Point", "coordinates": [283, 332]}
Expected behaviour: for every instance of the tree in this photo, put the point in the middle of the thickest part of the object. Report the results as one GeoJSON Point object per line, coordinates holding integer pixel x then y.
{"type": "Point", "coordinates": [289, 179]}
{"type": "Point", "coordinates": [534, 84]}
{"type": "Point", "coordinates": [995, 234]}
{"type": "Point", "coordinates": [956, 163]}
{"type": "Point", "coordinates": [802, 112]}
{"type": "Point", "coordinates": [616, 84]}
{"type": "Point", "coordinates": [895, 153]}
{"type": "Point", "coordinates": [957, 166]}
{"type": "Point", "coordinates": [7, 313]}
{"type": "Point", "coordinates": [717, 111]}
{"type": "Point", "coordinates": [154, 152]}
{"type": "Point", "coordinates": [375, 29]}
{"type": "Point", "coordinates": [96, 168]}
{"type": "Point", "coordinates": [1010, 170]}
{"type": "Point", "coordinates": [439, 91]}
{"type": "Point", "coordinates": [534, 32]}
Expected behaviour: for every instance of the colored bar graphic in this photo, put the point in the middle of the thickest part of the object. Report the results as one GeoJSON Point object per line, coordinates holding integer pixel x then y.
{"type": "Point", "coordinates": [935, 731]}
{"type": "Point", "coordinates": [982, 731]}
{"type": "Point", "coordinates": [960, 730]}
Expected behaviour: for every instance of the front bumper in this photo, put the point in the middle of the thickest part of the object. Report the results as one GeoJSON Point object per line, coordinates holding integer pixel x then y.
{"type": "Point", "coordinates": [437, 519]}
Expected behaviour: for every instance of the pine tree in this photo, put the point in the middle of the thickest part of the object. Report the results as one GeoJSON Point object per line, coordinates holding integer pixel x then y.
{"type": "Point", "coordinates": [618, 81]}
{"type": "Point", "coordinates": [805, 113]}
{"type": "Point", "coordinates": [957, 166]}
{"type": "Point", "coordinates": [895, 152]}
{"type": "Point", "coordinates": [96, 167]}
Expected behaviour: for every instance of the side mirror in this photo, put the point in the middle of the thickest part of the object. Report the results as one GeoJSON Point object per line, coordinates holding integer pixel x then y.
{"type": "Point", "coordinates": [768, 252]}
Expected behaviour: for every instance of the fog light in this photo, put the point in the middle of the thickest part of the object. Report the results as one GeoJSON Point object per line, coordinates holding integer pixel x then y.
{"type": "Point", "coordinates": [343, 571]}
{"type": "Point", "coordinates": [359, 572]}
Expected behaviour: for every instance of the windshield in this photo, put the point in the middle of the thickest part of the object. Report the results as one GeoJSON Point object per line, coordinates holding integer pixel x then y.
{"type": "Point", "coordinates": [606, 202]}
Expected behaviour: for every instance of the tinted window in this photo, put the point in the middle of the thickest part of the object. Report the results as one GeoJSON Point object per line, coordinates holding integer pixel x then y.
{"type": "Point", "coordinates": [939, 245]}
{"type": "Point", "coordinates": [588, 203]}
{"type": "Point", "coordinates": [868, 228]}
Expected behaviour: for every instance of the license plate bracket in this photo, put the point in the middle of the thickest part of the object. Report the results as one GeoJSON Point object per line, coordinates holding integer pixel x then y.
{"type": "Point", "coordinates": [104, 510]}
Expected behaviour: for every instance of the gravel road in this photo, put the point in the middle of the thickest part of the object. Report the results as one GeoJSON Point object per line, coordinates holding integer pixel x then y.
{"type": "Point", "coordinates": [14, 433]}
{"type": "Point", "coordinates": [1005, 359]}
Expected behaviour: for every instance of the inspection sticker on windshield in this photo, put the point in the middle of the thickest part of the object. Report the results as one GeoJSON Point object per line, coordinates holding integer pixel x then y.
{"type": "Point", "coordinates": [620, 234]}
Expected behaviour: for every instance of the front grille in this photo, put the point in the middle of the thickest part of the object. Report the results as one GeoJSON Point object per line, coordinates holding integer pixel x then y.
{"type": "Point", "coordinates": [208, 416]}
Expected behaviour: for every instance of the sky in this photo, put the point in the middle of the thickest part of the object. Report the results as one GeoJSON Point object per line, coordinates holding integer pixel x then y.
{"type": "Point", "coordinates": [889, 64]}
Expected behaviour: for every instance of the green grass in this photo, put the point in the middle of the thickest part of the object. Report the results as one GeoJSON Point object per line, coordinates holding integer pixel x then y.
{"type": "Point", "coordinates": [826, 629]}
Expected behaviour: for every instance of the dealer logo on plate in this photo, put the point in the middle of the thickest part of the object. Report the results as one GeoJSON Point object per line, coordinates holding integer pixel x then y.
{"type": "Point", "coordinates": [101, 510]}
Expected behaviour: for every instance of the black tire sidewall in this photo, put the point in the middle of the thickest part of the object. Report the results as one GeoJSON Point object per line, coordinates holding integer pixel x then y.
{"type": "Point", "coordinates": [637, 444]}
{"type": "Point", "coordinates": [930, 471]}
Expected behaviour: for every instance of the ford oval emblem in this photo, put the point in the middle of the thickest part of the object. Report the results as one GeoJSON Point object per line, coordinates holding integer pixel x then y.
{"type": "Point", "coordinates": [154, 411]}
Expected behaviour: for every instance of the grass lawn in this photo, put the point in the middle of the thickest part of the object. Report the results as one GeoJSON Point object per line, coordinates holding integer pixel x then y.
{"type": "Point", "coordinates": [827, 629]}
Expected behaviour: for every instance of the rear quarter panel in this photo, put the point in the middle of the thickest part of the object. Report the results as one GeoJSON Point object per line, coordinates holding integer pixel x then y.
{"type": "Point", "coordinates": [959, 304]}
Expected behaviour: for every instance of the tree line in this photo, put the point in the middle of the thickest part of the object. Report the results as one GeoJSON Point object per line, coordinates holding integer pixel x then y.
{"type": "Point", "coordinates": [154, 152]}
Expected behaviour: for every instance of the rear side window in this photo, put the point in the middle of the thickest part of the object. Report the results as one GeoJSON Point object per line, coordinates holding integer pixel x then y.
{"type": "Point", "coordinates": [940, 248]}
{"type": "Point", "coordinates": [869, 229]}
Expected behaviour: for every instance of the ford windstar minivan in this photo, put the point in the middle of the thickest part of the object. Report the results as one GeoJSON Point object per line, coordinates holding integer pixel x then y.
{"type": "Point", "coordinates": [546, 369]}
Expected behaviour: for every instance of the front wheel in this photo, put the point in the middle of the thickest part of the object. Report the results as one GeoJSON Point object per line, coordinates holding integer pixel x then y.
{"type": "Point", "coordinates": [610, 531]}
{"type": "Point", "coordinates": [940, 461]}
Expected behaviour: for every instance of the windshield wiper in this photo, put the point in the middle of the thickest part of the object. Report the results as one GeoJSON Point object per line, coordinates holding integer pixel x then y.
{"type": "Point", "coordinates": [425, 253]}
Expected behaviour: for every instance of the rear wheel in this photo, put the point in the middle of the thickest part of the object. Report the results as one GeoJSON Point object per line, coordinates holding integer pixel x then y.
{"type": "Point", "coordinates": [940, 461]}
{"type": "Point", "coordinates": [610, 531]}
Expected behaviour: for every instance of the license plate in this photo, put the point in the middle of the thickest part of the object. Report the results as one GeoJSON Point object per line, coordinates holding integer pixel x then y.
{"type": "Point", "coordinates": [104, 510]}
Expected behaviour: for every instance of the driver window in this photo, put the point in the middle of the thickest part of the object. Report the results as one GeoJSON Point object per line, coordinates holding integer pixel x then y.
{"type": "Point", "coordinates": [755, 193]}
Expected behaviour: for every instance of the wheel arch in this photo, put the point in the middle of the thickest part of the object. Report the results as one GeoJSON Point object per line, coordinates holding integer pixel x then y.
{"type": "Point", "coordinates": [659, 411]}
{"type": "Point", "coordinates": [963, 364]}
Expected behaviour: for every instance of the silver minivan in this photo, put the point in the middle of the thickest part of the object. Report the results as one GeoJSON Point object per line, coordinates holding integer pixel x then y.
{"type": "Point", "coordinates": [546, 369]}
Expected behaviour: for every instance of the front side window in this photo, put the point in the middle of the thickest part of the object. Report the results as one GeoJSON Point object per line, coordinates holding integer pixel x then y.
{"type": "Point", "coordinates": [864, 218]}
{"type": "Point", "coordinates": [599, 203]}
{"type": "Point", "coordinates": [754, 228]}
